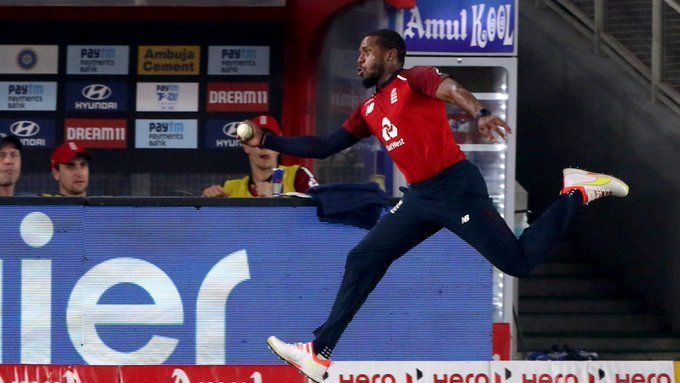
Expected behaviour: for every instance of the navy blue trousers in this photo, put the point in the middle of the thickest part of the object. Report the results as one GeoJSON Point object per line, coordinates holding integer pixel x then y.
{"type": "Point", "coordinates": [456, 199]}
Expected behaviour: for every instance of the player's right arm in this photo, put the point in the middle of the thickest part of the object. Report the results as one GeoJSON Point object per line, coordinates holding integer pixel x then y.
{"type": "Point", "coordinates": [319, 147]}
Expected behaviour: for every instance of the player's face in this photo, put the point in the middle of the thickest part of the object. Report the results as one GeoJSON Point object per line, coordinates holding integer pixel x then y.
{"type": "Point", "coordinates": [10, 165]}
{"type": "Point", "coordinates": [73, 178]}
{"type": "Point", "coordinates": [371, 61]}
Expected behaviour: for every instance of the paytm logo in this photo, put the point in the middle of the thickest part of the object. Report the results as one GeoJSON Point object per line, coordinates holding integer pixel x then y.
{"type": "Point", "coordinates": [97, 53]}
{"type": "Point", "coordinates": [24, 128]}
{"type": "Point", "coordinates": [167, 92]}
{"type": "Point", "coordinates": [166, 127]}
{"type": "Point", "coordinates": [96, 92]}
{"type": "Point", "coordinates": [26, 90]}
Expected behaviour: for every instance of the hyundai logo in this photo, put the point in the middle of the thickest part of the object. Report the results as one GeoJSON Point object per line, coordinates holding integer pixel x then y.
{"type": "Point", "coordinates": [97, 92]}
{"type": "Point", "coordinates": [24, 128]}
{"type": "Point", "coordinates": [229, 129]}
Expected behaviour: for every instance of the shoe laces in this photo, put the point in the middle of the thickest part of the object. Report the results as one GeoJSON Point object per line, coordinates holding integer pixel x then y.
{"type": "Point", "coordinates": [300, 349]}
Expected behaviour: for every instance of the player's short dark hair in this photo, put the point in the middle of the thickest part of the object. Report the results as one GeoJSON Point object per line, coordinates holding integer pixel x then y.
{"type": "Point", "coordinates": [390, 39]}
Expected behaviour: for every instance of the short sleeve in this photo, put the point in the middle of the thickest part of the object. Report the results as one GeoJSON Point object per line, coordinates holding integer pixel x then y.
{"type": "Point", "coordinates": [425, 79]}
{"type": "Point", "coordinates": [304, 179]}
{"type": "Point", "coordinates": [356, 125]}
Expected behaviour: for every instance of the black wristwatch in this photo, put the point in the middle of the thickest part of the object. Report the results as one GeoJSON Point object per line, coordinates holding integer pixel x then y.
{"type": "Point", "coordinates": [482, 112]}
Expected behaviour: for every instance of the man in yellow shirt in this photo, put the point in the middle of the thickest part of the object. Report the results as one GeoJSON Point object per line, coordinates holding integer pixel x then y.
{"type": "Point", "coordinates": [262, 163]}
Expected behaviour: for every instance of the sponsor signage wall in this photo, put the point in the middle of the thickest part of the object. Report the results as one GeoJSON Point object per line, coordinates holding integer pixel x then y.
{"type": "Point", "coordinates": [238, 60]}
{"type": "Point", "coordinates": [97, 59]}
{"type": "Point", "coordinates": [461, 27]}
{"type": "Point", "coordinates": [29, 59]}
{"type": "Point", "coordinates": [33, 133]}
{"type": "Point", "coordinates": [24, 95]}
{"type": "Point", "coordinates": [97, 96]}
{"type": "Point", "coordinates": [84, 87]}
{"type": "Point", "coordinates": [163, 134]}
{"type": "Point", "coordinates": [150, 285]}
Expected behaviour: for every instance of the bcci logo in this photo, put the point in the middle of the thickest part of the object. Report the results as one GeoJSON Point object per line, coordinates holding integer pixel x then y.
{"type": "Point", "coordinates": [27, 59]}
{"type": "Point", "coordinates": [96, 92]}
{"type": "Point", "coordinates": [24, 128]}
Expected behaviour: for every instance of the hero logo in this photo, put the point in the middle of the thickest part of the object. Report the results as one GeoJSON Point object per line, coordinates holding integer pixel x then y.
{"type": "Point", "coordinates": [181, 377]}
{"type": "Point", "coordinates": [543, 378]}
{"type": "Point", "coordinates": [24, 128]}
{"type": "Point", "coordinates": [97, 92]}
{"type": "Point", "coordinates": [385, 378]}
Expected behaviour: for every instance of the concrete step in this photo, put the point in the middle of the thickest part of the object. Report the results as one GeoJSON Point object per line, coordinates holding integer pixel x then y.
{"type": "Point", "coordinates": [643, 343]}
{"type": "Point", "coordinates": [602, 323]}
{"type": "Point", "coordinates": [570, 287]}
{"type": "Point", "coordinates": [579, 306]}
{"type": "Point", "coordinates": [574, 269]}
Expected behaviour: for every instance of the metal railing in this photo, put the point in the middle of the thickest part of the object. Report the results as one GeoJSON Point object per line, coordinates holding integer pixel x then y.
{"type": "Point", "coordinates": [645, 34]}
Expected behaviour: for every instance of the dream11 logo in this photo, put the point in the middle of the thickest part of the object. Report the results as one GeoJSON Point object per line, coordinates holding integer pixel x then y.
{"type": "Point", "coordinates": [84, 312]}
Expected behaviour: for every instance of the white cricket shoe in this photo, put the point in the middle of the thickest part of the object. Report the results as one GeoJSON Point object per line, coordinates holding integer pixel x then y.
{"type": "Point", "coordinates": [592, 185]}
{"type": "Point", "coordinates": [302, 357]}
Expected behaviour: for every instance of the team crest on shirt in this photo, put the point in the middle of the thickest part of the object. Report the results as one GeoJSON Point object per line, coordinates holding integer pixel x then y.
{"type": "Point", "coordinates": [393, 96]}
{"type": "Point", "coordinates": [369, 108]}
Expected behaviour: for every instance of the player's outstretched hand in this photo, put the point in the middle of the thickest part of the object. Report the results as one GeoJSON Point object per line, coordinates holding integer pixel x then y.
{"type": "Point", "coordinates": [256, 139]}
{"type": "Point", "coordinates": [490, 125]}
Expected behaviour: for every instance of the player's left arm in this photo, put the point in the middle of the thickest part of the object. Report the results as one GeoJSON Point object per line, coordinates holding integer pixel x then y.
{"type": "Point", "coordinates": [450, 91]}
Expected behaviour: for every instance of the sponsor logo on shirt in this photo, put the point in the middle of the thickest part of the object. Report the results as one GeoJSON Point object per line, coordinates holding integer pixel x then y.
{"type": "Point", "coordinates": [389, 133]}
{"type": "Point", "coordinates": [393, 96]}
{"type": "Point", "coordinates": [369, 108]}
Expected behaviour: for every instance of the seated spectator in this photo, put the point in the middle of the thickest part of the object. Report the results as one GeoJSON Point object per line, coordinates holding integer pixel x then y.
{"type": "Point", "coordinates": [71, 169]}
{"type": "Point", "coordinates": [10, 164]}
{"type": "Point", "coordinates": [262, 162]}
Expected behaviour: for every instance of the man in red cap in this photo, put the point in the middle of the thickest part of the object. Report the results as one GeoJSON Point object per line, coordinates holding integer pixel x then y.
{"type": "Point", "coordinates": [262, 163]}
{"type": "Point", "coordinates": [71, 169]}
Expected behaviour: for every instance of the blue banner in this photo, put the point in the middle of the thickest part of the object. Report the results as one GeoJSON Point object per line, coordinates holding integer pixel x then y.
{"type": "Point", "coordinates": [96, 96]}
{"type": "Point", "coordinates": [32, 132]}
{"type": "Point", "coordinates": [187, 285]}
{"type": "Point", "coordinates": [462, 26]}
{"type": "Point", "coordinates": [221, 134]}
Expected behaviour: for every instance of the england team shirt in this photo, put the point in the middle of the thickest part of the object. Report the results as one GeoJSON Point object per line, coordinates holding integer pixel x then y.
{"type": "Point", "coordinates": [411, 123]}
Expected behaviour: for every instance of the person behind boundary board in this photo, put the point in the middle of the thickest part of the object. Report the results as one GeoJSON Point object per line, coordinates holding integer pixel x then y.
{"type": "Point", "coordinates": [262, 163]}
{"type": "Point", "coordinates": [70, 165]}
